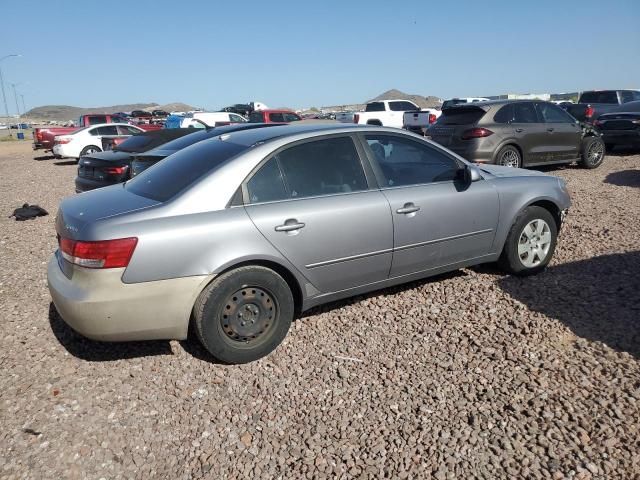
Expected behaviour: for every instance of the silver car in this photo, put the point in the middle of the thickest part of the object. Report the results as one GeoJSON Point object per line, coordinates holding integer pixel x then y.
{"type": "Point", "coordinates": [241, 232]}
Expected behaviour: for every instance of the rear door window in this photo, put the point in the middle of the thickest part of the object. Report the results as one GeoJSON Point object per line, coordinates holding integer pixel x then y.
{"type": "Point", "coordinates": [321, 167]}
{"type": "Point", "coordinates": [461, 116]}
{"type": "Point", "coordinates": [107, 130]}
{"type": "Point", "coordinates": [267, 184]}
{"type": "Point", "coordinates": [401, 106]}
{"type": "Point", "coordinates": [524, 113]}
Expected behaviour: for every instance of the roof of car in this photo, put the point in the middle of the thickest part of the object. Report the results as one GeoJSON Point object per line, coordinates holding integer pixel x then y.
{"type": "Point", "coordinates": [485, 105]}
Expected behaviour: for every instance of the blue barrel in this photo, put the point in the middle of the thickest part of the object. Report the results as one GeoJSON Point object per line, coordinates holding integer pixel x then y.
{"type": "Point", "coordinates": [20, 135]}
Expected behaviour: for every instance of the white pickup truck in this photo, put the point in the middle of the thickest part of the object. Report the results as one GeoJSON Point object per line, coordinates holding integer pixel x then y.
{"type": "Point", "coordinates": [388, 113]}
{"type": "Point", "coordinates": [419, 121]}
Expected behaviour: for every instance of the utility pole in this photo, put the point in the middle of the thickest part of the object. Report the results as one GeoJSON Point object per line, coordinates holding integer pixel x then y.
{"type": "Point", "coordinates": [4, 96]}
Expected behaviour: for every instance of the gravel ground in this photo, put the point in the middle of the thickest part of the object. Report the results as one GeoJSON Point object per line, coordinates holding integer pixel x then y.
{"type": "Point", "coordinates": [468, 375]}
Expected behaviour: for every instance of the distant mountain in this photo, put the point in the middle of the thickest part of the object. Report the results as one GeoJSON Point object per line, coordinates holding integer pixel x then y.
{"type": "Point", "coordinates": [66, 112]}
{"type": "Point", "coordinates": [421, 101]}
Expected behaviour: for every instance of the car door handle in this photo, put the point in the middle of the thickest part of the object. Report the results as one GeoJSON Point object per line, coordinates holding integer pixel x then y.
{"type": "Point", "coordinates": [290, 225]}
{"type": "Point", "coordinates": [408, 208]}
{"type": "Point", "coordinates": [549, 129]}
{"type": "Point", "coordinates": [519, 130]}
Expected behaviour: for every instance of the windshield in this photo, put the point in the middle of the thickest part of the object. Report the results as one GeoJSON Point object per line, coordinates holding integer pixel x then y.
{"type": "Point", "coordinates": [180, 170]}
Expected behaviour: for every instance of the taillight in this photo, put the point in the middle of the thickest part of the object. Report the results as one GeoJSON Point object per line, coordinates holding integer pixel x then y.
{"type": "Point", "coordinates": [61, 140]}
{"type": "Point", "coordinates": [589, 111]}
{"type": "Point", "coordinates": [476, 133]}
{"type": "Point", "coordinates": [114, 170]}
{"type": "Point", "coordinates": [103, 254]}
{"type": "Point", "coordinates": [39, 135]}
{"type": "Point", "coordinates": [356, 118]}
{"type": "Point", "coordinates": [432, 118]}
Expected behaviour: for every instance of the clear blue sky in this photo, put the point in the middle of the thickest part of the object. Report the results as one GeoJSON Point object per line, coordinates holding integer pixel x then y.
{"type": "Point", "coordinates": [299, 53]}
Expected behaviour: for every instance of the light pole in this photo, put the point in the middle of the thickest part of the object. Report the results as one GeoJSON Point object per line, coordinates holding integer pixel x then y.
{"type": "Point", "coordinates": [4, 96]}
{"type": "Point", "coordinates": [15, 96]}
{"type": "Point", "coordinates": [24, 109]}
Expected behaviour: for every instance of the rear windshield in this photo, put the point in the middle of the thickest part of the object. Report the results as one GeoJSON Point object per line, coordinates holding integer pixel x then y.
{"type": "Point", "coordinates": [461, 116]}
{"type": "Point", "coordinates": [180, 170]}
{"type": "Point", "coordinates": [374, 107]}
{"type": "Point", "coordinates": [606, 96]}
{"type": "Point", "coordinates": [455, 101]}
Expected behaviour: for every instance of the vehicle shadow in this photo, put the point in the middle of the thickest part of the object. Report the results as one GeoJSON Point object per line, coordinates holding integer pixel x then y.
{"type": "Point", "coordinates": [66, 162]}
{"type": "Point", "coordinates": [624, 178]}
{"type": "Point", "coordinates": [385, 291]}
{"type": "Point", "coordinates": [94, 351]}
{"type": "Point", "coordinates": [45, 157]}
{"type": "Point", "coordinates": [598, 298]}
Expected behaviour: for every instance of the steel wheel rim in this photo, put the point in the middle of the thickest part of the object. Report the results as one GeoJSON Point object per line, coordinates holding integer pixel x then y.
{"type": "Point", "coordinates": [595, 152]}
{"type": "Point", "coordinates": [248, 314]}
{"type": "Point", "coordinates": [534, 243]}
{"type": "Point", "coordinates": [510, 159]}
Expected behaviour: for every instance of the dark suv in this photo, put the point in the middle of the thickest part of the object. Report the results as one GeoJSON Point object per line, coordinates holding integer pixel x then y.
{"type": "Point", "coordinates": [517, 133]}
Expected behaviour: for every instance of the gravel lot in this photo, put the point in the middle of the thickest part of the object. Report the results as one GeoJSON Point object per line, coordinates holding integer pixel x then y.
{"type": "Point", "coordinates": [468, 375]}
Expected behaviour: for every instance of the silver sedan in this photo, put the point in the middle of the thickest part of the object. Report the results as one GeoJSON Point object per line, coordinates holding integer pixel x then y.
{"type": "Point", "coordinates": [241, 232]}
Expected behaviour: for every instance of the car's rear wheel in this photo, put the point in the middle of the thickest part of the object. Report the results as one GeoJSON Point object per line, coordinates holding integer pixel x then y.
{"type": "Point", "coordinates": [530, 243]}
{"type": "Point", "coordinates": [509, 156]}
{"type": "Point", "coordinates": [593, 150]}
{"type": "Point", "coordinates": [244, 314]}
{"type": "Point", "coordinates": [89, 149]}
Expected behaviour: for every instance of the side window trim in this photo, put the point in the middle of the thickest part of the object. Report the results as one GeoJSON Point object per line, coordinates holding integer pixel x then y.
{"type": "Point", "coordinates": [246, 200]}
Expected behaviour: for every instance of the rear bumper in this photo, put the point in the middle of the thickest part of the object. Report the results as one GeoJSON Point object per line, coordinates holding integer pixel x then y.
{"type": "Point", "coordinates": [98, 305]}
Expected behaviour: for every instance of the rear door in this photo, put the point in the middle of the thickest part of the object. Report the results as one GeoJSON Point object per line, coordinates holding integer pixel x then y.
{"type": "Point", "coordinates": [530, 133]}
{"type": "Point", "coordinates": [396, 112]}
{"type": "Point", "coordinates": [313, 202]}
{"type": "Point", "coordinates": [436, 220]}
{"type": "Point", "coordinates": [564, 133]}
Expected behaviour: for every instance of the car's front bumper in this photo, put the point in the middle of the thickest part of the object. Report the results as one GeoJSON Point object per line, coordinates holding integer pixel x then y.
{"type": "Point", "coordinates": [97, 304]}
{"type": "Point", "coordinates": [621, 137]}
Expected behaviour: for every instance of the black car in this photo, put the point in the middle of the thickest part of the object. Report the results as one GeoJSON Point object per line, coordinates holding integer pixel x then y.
{"type": "Point", "coordinates": [142, 161]}
{"type": "Point", "coordinates": [106, 168]}
{"type": "Point", "coordinates": [160, 113]}
{"type": "Point", "coordinates": [239, 108]}
{"type": "Point", "coordinates": [621, 127]}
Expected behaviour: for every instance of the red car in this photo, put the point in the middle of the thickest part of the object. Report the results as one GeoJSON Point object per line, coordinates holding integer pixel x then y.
{"type": "Point", "coordinates": [43, 137]}
{"type": "Point", "coordinates": [273, 116]}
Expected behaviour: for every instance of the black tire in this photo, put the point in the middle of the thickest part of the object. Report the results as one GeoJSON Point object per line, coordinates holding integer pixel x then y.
{"type": "Point", "coordinates": [592, 152]}
{"type": "Point", "coordinates": [89, 149]}
{"type": "Point", "coordinates": [509, 156]}
{"type": "Point", "coordinates": [510, 260]}
{"type": "Point", "coordinates": [262, 295]}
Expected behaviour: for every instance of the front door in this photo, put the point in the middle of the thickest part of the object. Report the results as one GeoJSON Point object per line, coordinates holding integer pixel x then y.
{"type": "Point", "coordinates": [312, 202]}
{"type": "Point", "coordinates": [563, 132]}
{"type": "Point", "coordinates": [437, 221]}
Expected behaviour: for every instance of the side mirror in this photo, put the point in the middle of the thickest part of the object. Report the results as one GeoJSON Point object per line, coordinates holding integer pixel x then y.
{"type": "Point", "coordinates": [469, 174]}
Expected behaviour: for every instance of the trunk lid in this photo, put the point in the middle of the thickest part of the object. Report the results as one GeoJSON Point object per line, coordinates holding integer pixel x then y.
{"type": "Point", "coordinates": [77, 212]}
{"type": "Point", "coordinates": [454, 121]}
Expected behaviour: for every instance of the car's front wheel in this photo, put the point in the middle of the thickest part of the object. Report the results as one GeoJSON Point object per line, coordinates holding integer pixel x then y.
{"type": "Point", "coordinates": [509, 156]}
{"type": "Point", "coordinates": [530, 243]}
{"type": "Point", "coordinates": [593, 150]}
{"type": "Point", "coordinates": [244, 314]}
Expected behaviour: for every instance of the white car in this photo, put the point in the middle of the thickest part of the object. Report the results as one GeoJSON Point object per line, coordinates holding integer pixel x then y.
{"type": "Point", "coordinates": [210, 119]}
{"type": "Point", "coordinates": [386, 113]}
{"type": "Point", "coordinates": [89, 140]}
